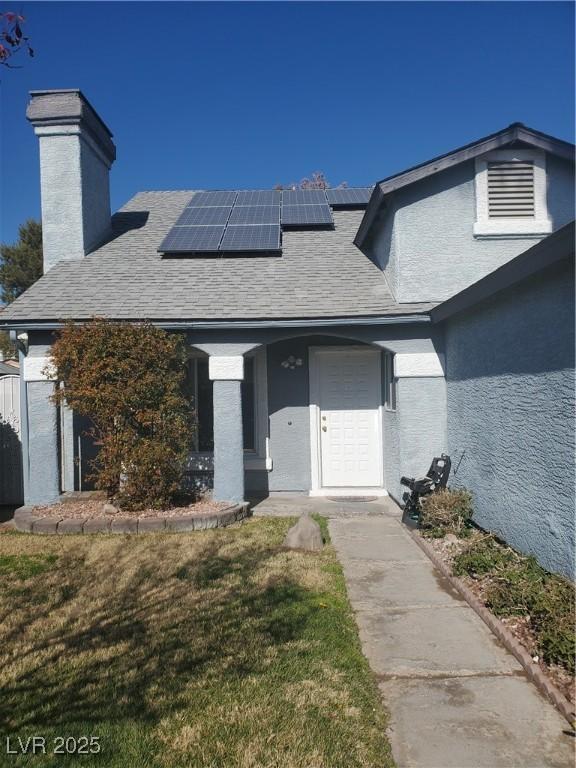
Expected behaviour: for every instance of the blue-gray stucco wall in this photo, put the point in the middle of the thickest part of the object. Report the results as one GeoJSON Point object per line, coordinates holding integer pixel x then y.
{"type": "Point", "coordinates": [289, 417]}
{"type": "Point", "coordinates": [424, 239]}
{"type": "Point", "coordinates": [510, 391]}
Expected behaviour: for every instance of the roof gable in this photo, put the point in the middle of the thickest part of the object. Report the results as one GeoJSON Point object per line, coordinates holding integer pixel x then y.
{"type": "Point", "coordinates": [515, 134]}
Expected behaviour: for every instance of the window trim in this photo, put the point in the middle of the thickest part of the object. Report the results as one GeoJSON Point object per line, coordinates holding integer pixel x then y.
{"type": "Point", "coordinates": [390, 399]}
{"type": "Point", "coordinates": [540, 224]}
{"type": "Point", "coordinates": [254, 458]}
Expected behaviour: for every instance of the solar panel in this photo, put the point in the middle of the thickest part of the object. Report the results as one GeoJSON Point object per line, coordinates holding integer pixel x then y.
{"type": "Point", "coordinates": [255, 214]}
{"type": "Point", "coordinates": [225, 197]}
{"type": "Point", "coordinates": [192, 239]}
{"type": "Point", "coordinates": [263, 237]}
{"type": "Point", "coordinates": [358, 196]}
{"type": "Point", "coordinates": [259, 197]}
{"type": "Point", "coordinates": [294, 215]}
{"type": "Point", "coordinates": [213, 215]}
{"type": "Point", "coordinates": [303, 196]}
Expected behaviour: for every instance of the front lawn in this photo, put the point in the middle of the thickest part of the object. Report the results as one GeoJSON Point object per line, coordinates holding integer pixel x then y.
{"type": "Point", "coordinates": [215, 649]}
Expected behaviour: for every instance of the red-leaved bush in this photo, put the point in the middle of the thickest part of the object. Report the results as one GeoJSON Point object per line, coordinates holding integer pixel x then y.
{"type": "Point", "coordinates": [128, 379]}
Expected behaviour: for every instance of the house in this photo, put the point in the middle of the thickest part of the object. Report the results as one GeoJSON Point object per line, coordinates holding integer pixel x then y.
{"type": "Point", "coordinates": [331, 337]}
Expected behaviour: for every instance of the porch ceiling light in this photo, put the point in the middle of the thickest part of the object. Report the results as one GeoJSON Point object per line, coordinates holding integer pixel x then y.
{"type": "Point", "coordinates": [291, 362]}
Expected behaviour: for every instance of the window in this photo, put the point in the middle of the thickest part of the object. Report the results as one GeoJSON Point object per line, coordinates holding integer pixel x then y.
{"type": "Point", "coordinates": [199, 388]}
{"type": "Point", "coordinates": [511, 194]}
{"type": "Point", "coordinates": [389, 382]}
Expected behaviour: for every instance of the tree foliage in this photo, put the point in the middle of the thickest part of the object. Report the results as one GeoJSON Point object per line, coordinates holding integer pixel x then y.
{"type": "Point", "coordinates": [12, 38]}
{"type": "Point", "coordinates": [316, 180]}
{"type": "Point", "coordinates": [20, 266]}
{"type": "Point", "coordinates": [129, 380]}
{"type": "Point", "coordinates": [21, 263]}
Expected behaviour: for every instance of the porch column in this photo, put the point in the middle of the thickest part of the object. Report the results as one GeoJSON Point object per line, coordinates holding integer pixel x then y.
{"type": "Point", "coordinates": [42, 471]}
{"type": "Point", "coordinates": [67, 443]}
{"type": "Point", "coordinates": [226, 374]}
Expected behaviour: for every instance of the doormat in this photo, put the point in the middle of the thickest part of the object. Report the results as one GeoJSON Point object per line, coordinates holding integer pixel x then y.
{"type": "Point", "coordinates": [352, 498]}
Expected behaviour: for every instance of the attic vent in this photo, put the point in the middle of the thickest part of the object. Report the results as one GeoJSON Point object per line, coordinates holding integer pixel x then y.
{"type": "Point", "coordinates": [511, 189]}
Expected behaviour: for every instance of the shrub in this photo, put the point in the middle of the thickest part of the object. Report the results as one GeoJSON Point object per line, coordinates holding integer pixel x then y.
{"type": "Point", "coordinates": [517, 586]}
{"type": "Point", "coordinates": [482, 555]}
{"type": "Point", "coordinates": [446, 511]}
{"type": "Point", "coordinates": [128, 379]}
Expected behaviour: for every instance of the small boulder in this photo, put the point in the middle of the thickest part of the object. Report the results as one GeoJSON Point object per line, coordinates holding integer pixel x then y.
{"type": "Point", "coordinates": [306, 534]}
{"type": "Point", "coordinates": [109, 509]}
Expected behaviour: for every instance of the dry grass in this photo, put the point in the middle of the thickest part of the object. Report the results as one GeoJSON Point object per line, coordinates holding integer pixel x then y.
{"type": "Point", "coordinates": [210, 650]}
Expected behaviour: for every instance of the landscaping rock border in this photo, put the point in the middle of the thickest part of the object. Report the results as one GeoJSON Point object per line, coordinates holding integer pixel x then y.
{"type": "Point", "coordinates": [27, 522]}
{"type": "Point", "coordinates": [542, 682]}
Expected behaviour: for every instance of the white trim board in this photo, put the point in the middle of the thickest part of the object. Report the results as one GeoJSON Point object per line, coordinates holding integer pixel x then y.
{"type": "Point", "coordinates": [539, 225]}
{"type": "Point", "coordinates": [352, 491]}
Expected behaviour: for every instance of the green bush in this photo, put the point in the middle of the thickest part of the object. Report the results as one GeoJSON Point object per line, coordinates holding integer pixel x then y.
{"type": "Point", "coordinates": [129, 380]}
{"type": "Point", "coordinates": [446, 511]}
{"type": "Point", "coordinates": [483, 555]}
{"type": "Point", "coordinates": [518, 586]}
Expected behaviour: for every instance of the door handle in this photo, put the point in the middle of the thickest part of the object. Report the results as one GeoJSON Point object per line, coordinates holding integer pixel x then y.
{"type": "Point", "coordinates": [324, 429]}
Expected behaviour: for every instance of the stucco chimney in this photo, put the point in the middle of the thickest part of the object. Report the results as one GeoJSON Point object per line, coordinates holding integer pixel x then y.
{"type": "Point", "coordinates": [76, 153]}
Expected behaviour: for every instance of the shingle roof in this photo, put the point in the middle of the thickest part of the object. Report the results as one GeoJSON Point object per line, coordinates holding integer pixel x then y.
{"type": "Point", "coordinates": [320, 274]}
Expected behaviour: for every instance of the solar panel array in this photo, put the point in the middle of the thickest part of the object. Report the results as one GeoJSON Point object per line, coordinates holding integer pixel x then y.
{"type": "Point", "coordinates": [306, 215]}
{"type": "Point", "coordinates": [263, 237]}
{"type": "Point", "coordinates": [357, 197]}
{"type": "Point", "coordinates": [244, 221]}
{"type": "Point", "coordinates": [255, 214]}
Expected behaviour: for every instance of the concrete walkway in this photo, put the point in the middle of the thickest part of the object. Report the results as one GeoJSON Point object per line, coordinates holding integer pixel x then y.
{"type": "Point", "coordinates": [456, 697]}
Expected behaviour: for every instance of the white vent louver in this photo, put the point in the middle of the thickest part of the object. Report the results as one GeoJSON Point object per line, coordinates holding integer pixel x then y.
{"type": "Point", "coordinates": [511, 189]}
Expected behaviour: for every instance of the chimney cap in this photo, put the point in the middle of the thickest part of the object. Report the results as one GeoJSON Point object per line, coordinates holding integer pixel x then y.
{"type": "Point", "coordinates": [69, 106]}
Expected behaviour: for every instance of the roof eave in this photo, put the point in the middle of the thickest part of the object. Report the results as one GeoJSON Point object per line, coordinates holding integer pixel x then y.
{"type": "Point", "coordinates": [373, 209]}
{"type": "Point", "coordinates": [239, 324]}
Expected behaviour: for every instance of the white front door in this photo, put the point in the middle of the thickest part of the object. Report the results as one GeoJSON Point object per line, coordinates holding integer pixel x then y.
{"type": "Point", "coordinates": [349, 395]}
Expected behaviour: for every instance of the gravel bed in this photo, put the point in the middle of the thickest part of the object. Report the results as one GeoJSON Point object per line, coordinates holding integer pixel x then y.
{"type": "Point", "coordinates": [93, 508]}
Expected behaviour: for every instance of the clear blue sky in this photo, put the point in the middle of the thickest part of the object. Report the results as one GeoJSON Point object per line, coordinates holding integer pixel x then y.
{"type": "Point", "coordinates": [247, 95]}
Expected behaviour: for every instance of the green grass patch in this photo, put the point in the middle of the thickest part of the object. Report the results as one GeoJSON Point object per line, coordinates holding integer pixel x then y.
{"type": "Point", "coordinates": [26, 566]}
{"type": "Point", "coordinates": [517, 586]}
{"type": "Point", "coordinates": [323, 523]}
{"type": "Point", "coordinates": [218, 649]}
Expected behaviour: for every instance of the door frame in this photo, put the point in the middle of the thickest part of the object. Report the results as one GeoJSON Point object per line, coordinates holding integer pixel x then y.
{"type": "Point", "coordinates": [316, 487]}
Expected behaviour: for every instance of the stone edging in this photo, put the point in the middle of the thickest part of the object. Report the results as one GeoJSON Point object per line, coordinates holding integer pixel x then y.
{"type": "Point", "coordinates": [539, 678]}
{"type": "Point", "coordinates": [25, 521]}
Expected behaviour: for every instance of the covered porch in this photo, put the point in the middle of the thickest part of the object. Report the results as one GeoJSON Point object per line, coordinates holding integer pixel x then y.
{"type": "Point", "coordinates": [330, 411]}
